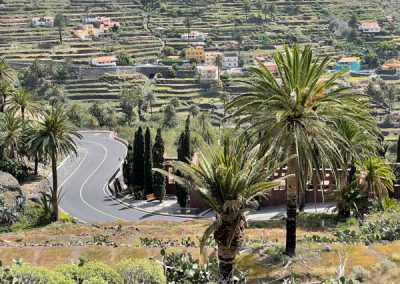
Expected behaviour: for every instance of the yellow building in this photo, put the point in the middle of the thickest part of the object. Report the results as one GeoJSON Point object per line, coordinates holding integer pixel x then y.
{"type": "Point", "coordinates": [196, 53]}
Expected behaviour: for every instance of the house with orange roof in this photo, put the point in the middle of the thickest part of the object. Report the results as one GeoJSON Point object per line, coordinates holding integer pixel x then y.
{"type": "Point", "coordinates": [95, 27]}
{"type": "Point", "coordinates": [207, 73]}
{"type": "Point", "coordinates": [106, 61]}
{"type": "Point", "coordinates": [349, 63]}
{"type": "Point", "coordinates": [370, 27]}
{"type": "Point", "coordinates": [392, 65]}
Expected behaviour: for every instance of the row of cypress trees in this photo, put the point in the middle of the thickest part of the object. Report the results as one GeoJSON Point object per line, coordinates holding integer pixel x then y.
{"type": "Point", "coordinates": [142, 156]}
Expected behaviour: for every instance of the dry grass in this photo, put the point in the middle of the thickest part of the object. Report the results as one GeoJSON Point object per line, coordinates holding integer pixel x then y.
{"type": "Point", "coordinates": [314, 261]}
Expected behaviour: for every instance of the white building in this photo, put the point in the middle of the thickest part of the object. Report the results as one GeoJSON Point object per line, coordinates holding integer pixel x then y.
{"type": "Point", "coordinates": [43, 21]}
{"type": "Point", "coordinates": [370, 27]}
{"type": "Point", "coordinates": [194, 36]}
{"type": "Point", "coordinates": [207, 73]}
{"type": "Point", "coordinates": [105, 61]}
{"type": "Point", "coordinates": [231, 60]}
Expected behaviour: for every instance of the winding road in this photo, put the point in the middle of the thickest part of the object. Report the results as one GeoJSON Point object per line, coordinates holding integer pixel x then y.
{"type": "Point", "coordinates": [83, 182]}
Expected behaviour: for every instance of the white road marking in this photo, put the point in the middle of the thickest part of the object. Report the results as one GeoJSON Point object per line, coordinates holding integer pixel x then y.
{"type": "Point", "coordinates": [81, 189]}
{"type": "Point", "coordinates": [69, 176]}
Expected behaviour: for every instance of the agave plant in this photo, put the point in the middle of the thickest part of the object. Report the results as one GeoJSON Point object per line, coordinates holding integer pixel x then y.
{"type": "Point", "coordinates": [229, 179]}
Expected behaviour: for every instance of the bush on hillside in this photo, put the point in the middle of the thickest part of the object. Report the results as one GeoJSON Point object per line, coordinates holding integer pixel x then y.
{"type": "Point", "coordinates": [141, 271]}
{"type": "Point", "coordinates": [19, 171]}
{"type": "Point", "coordinates": [30, 274]}
{"type": "Point", "coordinates": [94, 269]}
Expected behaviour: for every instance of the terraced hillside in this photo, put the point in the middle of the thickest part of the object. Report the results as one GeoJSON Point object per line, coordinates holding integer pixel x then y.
{"type": "Point", "coordinates": [307, 20]}
{"type": "Point", "coordinates": [19, 40]}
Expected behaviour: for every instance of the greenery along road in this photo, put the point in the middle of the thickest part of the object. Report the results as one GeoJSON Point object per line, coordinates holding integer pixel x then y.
{"type": "Point", "coordinates": [83, 191]}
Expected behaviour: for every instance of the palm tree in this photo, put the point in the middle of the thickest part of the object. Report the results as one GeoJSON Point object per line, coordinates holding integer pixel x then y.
{"type": "Point", "coordinates": [265, 11]}
{"type": "Point", "coordinates": [6, 72]}
{"type": "Point", "coordinates": [6, 90]}
{"type": "Point", "coordinates": [194, 110]}
{"type": "Point", "coordinates": [246, 7]}
{"type": "Point", "coordinates": [10, 134]}
{"type": "Point", "coordinates": [229, 181]}
{"type": "Point", "coordinates": [362, 143]}
{"type": "Point", "coordinates": [60, 24]}
{"type": "Point", "coordinates": [239, 39]}
{"type": "Point", "coordinates": [54, 137]}
{"type": "Point", "coordinates": [219, 62]}
{"type": "Point", "coordinates": [187, 21]}
{"type": "Point", "coordinates": [25, 101]}
{"type": "Point", "coordinates": [295, 116]}
{"type": "Point", "coordinates": [375, 176]}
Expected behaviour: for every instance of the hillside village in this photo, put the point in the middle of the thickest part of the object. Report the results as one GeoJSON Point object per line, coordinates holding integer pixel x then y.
{"type": "Point", "coordinates": [208, 141]}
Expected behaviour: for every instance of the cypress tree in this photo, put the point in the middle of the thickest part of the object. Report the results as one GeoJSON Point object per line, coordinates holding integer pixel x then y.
{"type": "Point", "coordinates": [148, 163]}
{"type": "Point", "coordinates": [127, 166]}
{"type": "Point", "coordinates": [398, 150]}
{"type": "Point", "coordinates": [138, 164]}
{"type": "Point", "coordinates": [184, 155]}
{"type": "Point", "coordinates": [158, 160]}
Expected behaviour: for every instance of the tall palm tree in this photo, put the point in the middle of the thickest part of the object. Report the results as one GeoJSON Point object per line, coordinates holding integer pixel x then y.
{"type": "Point", "coordinates": [25, 101]}
{"type": "Point", "coordinates": [187, 21]}
{"type": "Point", "coordinates": [6, 72]}
{"type": "Point", "coordinates": [60, 24]}
{"type": "Point", "coordinates": [376, 176]}
{"type": "Point", "coordinates": [6, 90]}
{"type": "Point", "coordinates": [229, 181]}
{"type": "Point", "coordinates": [219, 62]}
{"type": "Point", "coordinates": [11, 134]}
{"type": "Point", "coordinates": [52, 138]}
{"type": "Point", "coordinates": [238, 37]}
{"type": "Point", "coordinates": [296, 115]}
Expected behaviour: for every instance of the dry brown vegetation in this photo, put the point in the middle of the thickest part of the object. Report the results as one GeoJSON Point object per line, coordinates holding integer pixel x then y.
{"type": "Point", "coordinates": [66, 243]}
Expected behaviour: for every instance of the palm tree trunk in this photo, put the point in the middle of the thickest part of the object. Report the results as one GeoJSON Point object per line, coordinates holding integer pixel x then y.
{"type": "Point", "coordinates": [59, 32]}
{"type": "Point", "coordinates": [35, 172]}
{"type": "Point", "coordinates": [188, 36]}
{"type": "Point", "coordinates": [227, 253]}
{"type": "Point", "coordinates": [23, 113]}
{"type": "Point", "coordinates": [54, 195]}
{"type": "Point", "coordinates": [291, 203]}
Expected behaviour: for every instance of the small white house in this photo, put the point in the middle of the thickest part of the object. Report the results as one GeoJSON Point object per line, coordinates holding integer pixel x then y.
{"type": "Point", "coordinates": [231, 60]}
{"type": "Point", "coordinates": [43, 21]}
{"type": "Point", "coordinates": [370, 27]}
{"type": "Point", "coordinates": [194, 36]}
{"type": "Point", "coordinates": [207, 73]}
{"type": "Point", "coordinates": [105, 61]}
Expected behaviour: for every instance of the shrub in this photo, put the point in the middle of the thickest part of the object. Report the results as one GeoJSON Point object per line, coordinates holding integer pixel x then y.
{"type": "Point", "coordinates": [65, 218]}
{"type": "Point", "coordinates": [19, 171]}
{"type": "Point", "coordinates": [141, 271]}
{"type": "Point", "coordinates": [33, 216]}
{"type": "Point", "coordinates": [360, 274]}
{"type": "Point", "coordinates": [29, 274]}
{"type": "Point", "coordinates": [94, 269]}
{"type": "Point", "coordinates": [70, 271]}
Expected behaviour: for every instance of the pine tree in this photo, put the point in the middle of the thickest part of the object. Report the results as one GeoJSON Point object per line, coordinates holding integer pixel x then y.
{"type": "Point", "coordinates": [148, 163]}
{"type": "Point", "coordinates": [184, 155]}
{"type": "Point", "coordinates": [158, 160]}
{"type": "Point", "coordinates": [138, 164]}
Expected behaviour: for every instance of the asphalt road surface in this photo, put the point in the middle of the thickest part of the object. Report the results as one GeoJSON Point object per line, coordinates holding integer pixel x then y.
{"type": "Point", "coordinates": [83, 181]}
